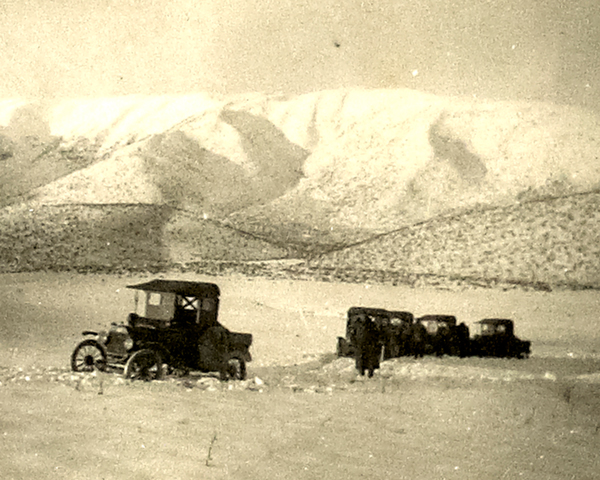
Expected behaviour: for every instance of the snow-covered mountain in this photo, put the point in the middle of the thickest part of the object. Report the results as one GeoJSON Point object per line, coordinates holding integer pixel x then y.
{"type": "Point", "coordinates": [372, 155]}
{"type": "Point", "coordinates": [330, 167]}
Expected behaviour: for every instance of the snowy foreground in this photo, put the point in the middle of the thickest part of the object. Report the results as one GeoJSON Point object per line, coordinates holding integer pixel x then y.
{"type": "Point", "coordinates": [301, 413]}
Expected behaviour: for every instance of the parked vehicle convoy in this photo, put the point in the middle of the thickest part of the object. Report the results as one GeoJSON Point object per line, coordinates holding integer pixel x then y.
{"type": "Point", "coordinates": [174, 326]}
{"type": "Point", "coordinates": [401, 334]}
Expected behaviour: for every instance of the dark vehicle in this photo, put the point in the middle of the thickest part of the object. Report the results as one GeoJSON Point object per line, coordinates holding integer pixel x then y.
{"type": "Point", "coordinates": [392, 325]}
{"type": "Point", "coordinates": [345, 345]}
{"type": "Point", "coordinates": [444, 336]}
{"type": "Point", "coordinates": [174, 324]}
{"type": "Point", "coordinates": [439, 334]}
{"type": "Point", "coordinates": [390, 332]}
{"type": "Point", "coordinates": [495, 338]}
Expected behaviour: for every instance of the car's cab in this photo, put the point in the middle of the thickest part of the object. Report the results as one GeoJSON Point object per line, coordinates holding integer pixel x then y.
{"type": "Point", "coordinates": [494, 326]}
{"type": "Point", "coordinates": [434, 323]}
{"type": "Point", "coordinates": [167, 303]}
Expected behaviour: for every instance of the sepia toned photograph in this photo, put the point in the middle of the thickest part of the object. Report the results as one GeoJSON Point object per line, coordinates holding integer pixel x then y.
{"type": "Point", "coordinates": [322, 239]}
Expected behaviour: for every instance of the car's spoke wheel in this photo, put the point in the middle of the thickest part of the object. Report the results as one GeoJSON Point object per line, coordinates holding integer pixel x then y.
{"type": "Point", "coordinates": [236, 369]}
{"type": "Point", "coordinates": [88, 356]}
{"type": "Point", "coordinates": [145, 365]}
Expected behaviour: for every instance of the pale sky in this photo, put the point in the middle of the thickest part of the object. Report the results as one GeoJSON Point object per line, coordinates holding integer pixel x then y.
{"type": "Point", "coordinates": [497, 49]}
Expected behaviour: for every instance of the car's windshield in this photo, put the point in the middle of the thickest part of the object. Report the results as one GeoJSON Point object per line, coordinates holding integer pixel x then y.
{"type": "Point", "coordinates": [187, 303]}
{"type": "Point", "coordinates": [431, 326]}
{"type": "Point", "coordinates": [155, 305]}
{"type": "Point", "coordinates": [486, 328]}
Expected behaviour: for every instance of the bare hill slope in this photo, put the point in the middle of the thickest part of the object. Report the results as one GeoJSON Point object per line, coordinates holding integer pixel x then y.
{"type": "Point", "coordinates": [543, 243]}
{"type": "Point", "coordinates": [118, 238]}
{"type": "Point", "coordinates": [359, 152]}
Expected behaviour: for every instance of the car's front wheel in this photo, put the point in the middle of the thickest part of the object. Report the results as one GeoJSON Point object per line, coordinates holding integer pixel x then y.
{"type": "Point", "coordinates": [145, 364]}
{"type": "Point", "coordinates": [88, 356]}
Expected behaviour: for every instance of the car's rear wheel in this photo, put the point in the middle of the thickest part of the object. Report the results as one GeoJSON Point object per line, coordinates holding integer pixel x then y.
{"type": "Point", "coordinates": [88, 356]}
{"type": "Point", "coordinates": [236, 369]}
{"type": "Point", "coordinates": [145, 364]}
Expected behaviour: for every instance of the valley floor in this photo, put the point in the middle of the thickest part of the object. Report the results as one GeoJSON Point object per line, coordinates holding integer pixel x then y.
{"type": "Point", "coordinates": [302, 413]}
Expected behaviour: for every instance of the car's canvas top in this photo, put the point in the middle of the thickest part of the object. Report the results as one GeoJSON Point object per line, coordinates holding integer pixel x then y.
{"type": "Point", "coordinates": [495, 321]}
{"type": "Point", "coordinates": [180, 287]}
{"type": "Point", "coordinates": [451, 319]}
{"type": "Point", "coordinates": [378, 312]}
{"type": "Point", "coordinates": [367, 311]}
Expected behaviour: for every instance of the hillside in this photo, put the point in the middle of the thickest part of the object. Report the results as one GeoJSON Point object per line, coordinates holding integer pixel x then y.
{"type": "Point", "coordinates": [117, 238]}
{"type": "Point", "coordinates": [542, 244]}
{"type": "Point", "coordinates": [299, 176]}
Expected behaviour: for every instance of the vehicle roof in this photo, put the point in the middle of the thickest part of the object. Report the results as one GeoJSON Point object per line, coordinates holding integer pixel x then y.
{"type": "Point", "coordinates": [181, 287]}
{"type": "Point", "coordinates": [400, 313]}
{"type": "Point", "coordinates": [438, 318]}
{"type": "Point", "coordinates": [380, 312]}
{"type": "Point", "coordinates": [367, 310]}
{"type": "Point", "coordinates": [495, 321]}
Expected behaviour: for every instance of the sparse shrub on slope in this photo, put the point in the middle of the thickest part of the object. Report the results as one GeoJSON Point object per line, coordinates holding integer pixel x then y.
{"type": "Point", "coordinates": [82, 237]}
{"type": "Point", "coordinates": [192, 238]}
{"type": "Point", "coordinates": [119, 237]}
{"type": "Point", "coordinates": [555, 242]}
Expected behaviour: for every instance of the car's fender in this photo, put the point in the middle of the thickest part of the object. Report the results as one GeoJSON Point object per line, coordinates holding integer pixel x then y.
{"type": "Point", "coordinates": [100, 337]}
{"type": "Point", "coordinates": [243, 355]}
{"type": "Point", "coordinates": [157, 347]}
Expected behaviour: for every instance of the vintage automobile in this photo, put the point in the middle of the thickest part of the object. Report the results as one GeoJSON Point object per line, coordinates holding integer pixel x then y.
{"type": "Point", "coordinates": [445, 337]}
{"type": "Point", "coordinates": [174, 328]}
{"type": "Point", "coordinates": [494, 337]}
{"type": "Point", "coordinates": [391, 325]}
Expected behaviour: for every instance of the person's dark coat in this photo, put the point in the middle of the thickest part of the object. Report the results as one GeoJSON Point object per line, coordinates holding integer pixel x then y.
{"type": "Point", "coordinates": [463, 340]}
{"type": "Point", "coordinates": [366, 338]}
{"type": "Point", "coordinates": [418, 339]}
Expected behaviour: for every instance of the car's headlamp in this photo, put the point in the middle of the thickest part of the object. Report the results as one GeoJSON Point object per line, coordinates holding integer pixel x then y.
{"type": "Point", "coordinates": [128, 343]}
{"type": "Point", "coordinates": [103, 337]}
